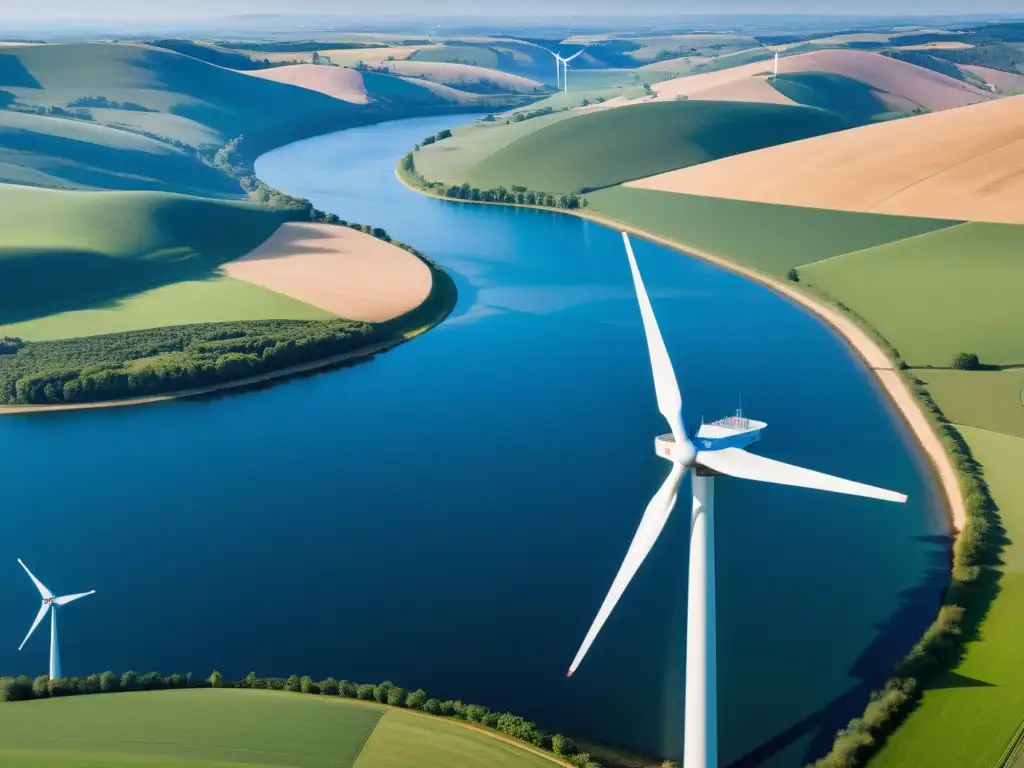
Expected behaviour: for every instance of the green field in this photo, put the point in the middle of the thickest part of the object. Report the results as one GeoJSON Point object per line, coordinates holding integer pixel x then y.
{"type": "Point", "coordinates": [950, 291]}
{"type": "Point", "coordinates": [405, 739]}
{"type": "Point", "coordinates": [771, 238]}
{"type": "Point", "coordinates": [216, 299]}
{"type": "Point", "coordinates": [968, 716]}
{"type": "Point", "coordinates": [991, 400]}
{"type": "Point", "coordinates": [215, 100]}
{"type": "Point", "coordinates": [74, 154]}
{"type": "Point", "coordinates": [232, 727]}
{"type": "Point", "coordinates": [852, 99]}
{"type": "Point", "coordinates": [601, 149]}
{"type": "Point", "coordinates": [64, 251]}
{"type": "Point", "coordinates": [476, 55]}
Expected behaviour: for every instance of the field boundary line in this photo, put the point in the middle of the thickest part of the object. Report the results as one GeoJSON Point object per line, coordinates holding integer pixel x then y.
{"type": "Point", "coordinates": [951, 225]}
{"type": "Point", "coordinates": [359, 752]}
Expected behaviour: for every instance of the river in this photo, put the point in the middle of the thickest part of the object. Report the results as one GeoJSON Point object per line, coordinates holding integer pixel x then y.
{"type": "Point", "coordinates": [450, 514]}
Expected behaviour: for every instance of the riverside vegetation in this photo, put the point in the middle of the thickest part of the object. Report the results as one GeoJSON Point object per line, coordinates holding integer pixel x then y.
{"type": "Point", "coordinates": [24, 688]}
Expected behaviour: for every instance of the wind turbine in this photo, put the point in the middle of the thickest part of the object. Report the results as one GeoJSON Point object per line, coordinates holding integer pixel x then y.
{"type": "Point", "coordinates": [50, 603]}
{"type": "Point", "coordinates": [717, 449]}
{"type": "Point", "coordinates": [775, 76]}
{"type": "Point", "coordinates": [558, 68]}
{"type": "Point", "coordinates": [565, 67]}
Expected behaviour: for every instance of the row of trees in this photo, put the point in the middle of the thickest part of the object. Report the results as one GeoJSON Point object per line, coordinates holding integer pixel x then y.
{"type": "Point", "coordinates": [941, 646]}
{"type": "Point", "coordinates": [25, 688]}
{"type": "Point", "coordinates": [102, 102]}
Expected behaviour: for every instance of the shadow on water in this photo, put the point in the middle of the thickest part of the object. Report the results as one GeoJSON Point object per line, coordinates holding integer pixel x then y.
{"type": "Point", "coordinates": [903, 628]}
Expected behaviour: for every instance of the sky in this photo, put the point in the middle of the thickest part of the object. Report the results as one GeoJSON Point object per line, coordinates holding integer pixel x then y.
{"type": "Point", "coordinates": [198, 9]}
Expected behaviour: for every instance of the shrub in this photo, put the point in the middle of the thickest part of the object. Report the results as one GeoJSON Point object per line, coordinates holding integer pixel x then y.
{"type": "Point", "coordinates": [329, 687]}
{"type": "Point", "coordinates": [416, 699]}
{"type": "Point", "coordinates": [216, 680]}
{"type": "Point", "coordinates": [108, 682]}
{"type": "Point", "coordinates": [293, 684]}
{"type": "Point", "coordinates": [432, 706]}
{"type": "Point", "coordinates": [793, 275]}
{"type": "Point", "coordinates": [15, 688]}
{"type": "Point", "coordinates": [445, 134]}
{"type": "Point", "coordinates": [966, 361]}
{"type": "Point", "coordinates": [347, 689]}
{"type": "Point", "coordinates": [365, 692]}
{"type": "Point", "coordinates": [562, 745]}
{"type": "Point", "coordinates": [249, 681]}
{"type": "Point", "coordinates": [397, 697]}
{"type": "Point", "coordinates": [380, 692]}
{"type": "Point", "coordinates": [306, 685]}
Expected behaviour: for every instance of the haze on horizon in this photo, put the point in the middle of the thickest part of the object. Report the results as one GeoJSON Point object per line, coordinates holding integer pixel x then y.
{"type": "Point", "coordinates": [52, 10]}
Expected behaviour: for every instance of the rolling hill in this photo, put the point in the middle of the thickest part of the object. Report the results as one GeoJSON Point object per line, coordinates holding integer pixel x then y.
{"type": "Point", "coordinates": [963, 164]}
{"type": "Point", "coordinates": [232, 727]}
{"type": "Point", "coordinates": [186, 97]}
{"type": "Point", "coordinates": [63, 251]}
{"type": "Point", "coordinates": [605, 148]}
{"type": "Point", "coordinates": [47, 151]}
{"type": "Point", "coordinates": [465, 76]}
{"type": "Point", "coordinates": [336, 82]}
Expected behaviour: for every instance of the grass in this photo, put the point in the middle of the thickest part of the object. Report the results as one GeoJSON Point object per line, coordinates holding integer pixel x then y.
{"type": "Point", "coordinates": [969, 715]}
{"type": "Point", "coordinates": [950, 291]}
{"type": "Point", "coordinates": [402, 739]}
{"type": "Point", "coordinates": [228, 726]}
{"type": "Point", "coordinates": [990, 400]}
{"type": "Point", "coordinates": [477, 55]}
{"type": "Point", "coordinates": [65, 251]}
{"type": "Point", "coordinates": [224, 102]}
{"type": "Point", "coordinates": [232, 727]}
{"type": "Point", "coordinates": [604, 148]}
{"type": "Point", "coordinates": [218, 299]}
{"type": "Point", "coordinates": [771, 238]}
{"type": "Point", "coordinates": [55, 152]}
{"type": "Point", "coordinates": [851, 99]}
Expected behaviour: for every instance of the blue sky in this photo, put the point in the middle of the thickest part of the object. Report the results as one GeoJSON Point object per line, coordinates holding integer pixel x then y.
{"type": "Point", "coordinates": [194, 9]}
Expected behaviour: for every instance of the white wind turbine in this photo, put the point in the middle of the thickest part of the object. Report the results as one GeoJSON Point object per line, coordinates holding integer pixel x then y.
{"type": "Point", "coordinates": [558, 68]}
{"type": "Point", "coordinates": [50, 603]}
{"type": "Point", "coordinates": [775, 75]}
{"type": "Point", "coordinates": [717, 449]}
{"type": "Point", "coordinates": [565, 67]}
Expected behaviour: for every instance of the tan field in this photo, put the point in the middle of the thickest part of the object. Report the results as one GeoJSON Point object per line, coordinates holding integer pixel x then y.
{"type": "Point", "coordinates": [963, 163]}
{"type": "Point", "coordinates": [347, 57]}
{"type": "Point", "coordinates": [337, 269]}
{"type": "Point", "coordinates": [1004, 81]}
{"type": "Point", "coordinates": [944, 45]}
{"type": "Point", "coordinates": [456, 74]}
{"type": "Point", "coordinates": [341, 83]}
{"type": "Point", "coordinates": [745, 83]}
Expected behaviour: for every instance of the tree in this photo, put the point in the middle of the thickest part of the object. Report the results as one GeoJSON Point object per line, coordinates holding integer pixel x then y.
{"type": "Point", "coordinates": [563, 745]}
{"type": "Point", "coordinates": [306, 685]}
{"type": "Point", "coordinates": [365, 692]}
{"type": "Point", "coordinates": [293, 684]}
{"type": "Point", "coordinates": [432, 706]}
{"type": "Point", "coordinates": [445, 134]}
{"type": "Point", "coordinates": [108, 682]}
{"type": "Point", "coordinates": [347, 689]}
{"type": "Point", "coordinates": [416, 699]}
{"type": "Point", "coordinates": [329, 687]}
{"type": "Point", "coordinates": [248, 681]}
{"type": "Point", "coordinates": [216, 679]}
{"type": "Point", "coordinates": [16, 688]}
{"type": "Point", "coordinates": [966, 361]}
{"type": "Point", "coordinates": [793, 275]}
{"type": "Point", "coordinates": [475, 713]}
{"type": "Point", "coordinates": [129, 681]}
{"type": "Point", "coordinates": [397, 697]}
{"type": "Point", "coordinates": [380, 692]}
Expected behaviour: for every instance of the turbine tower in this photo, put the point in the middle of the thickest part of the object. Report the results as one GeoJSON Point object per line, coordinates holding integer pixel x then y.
{"type": "Point", "coordinates": [775, 76]}
{"type": "Point", "coordinates": [717, 449]}
{"type": "Point", "coordinates": [565, 67]}
{"type": "Point", "coordinates": [50, 603]}
{"type": "Point", "coordinates": [558, 69]}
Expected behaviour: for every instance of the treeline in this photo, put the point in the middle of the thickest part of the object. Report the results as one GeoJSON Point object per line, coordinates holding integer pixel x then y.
{"type": "Point", "coordinates": [25, 689]}
{"type": "Point", "coordinates": [993, 55]}
{"type": "Point", "coordinates": [154, 361]}
{"type": "Point", "coordinates": [102, 102]}
{"type": "Point", "coordinates": [941, 646]}
{"type": "Point", "coordinates": [517, 195]}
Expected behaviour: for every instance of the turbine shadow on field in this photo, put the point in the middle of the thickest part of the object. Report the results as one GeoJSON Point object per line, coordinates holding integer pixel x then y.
{"type": "Point", "coordinates": [895, 636]}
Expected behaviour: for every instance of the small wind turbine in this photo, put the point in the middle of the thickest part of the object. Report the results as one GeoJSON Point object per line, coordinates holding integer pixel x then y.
{"type": "Point", "coordinates": [50, 603]}
{"type": "Point", "coordinates": [558, 68]}
{"type": "Point", "coordinates": [565, 67]}
{"type": "Point", "coordinates": [775, 75]}
{"type": "Point", "coordinates": [717, 449]}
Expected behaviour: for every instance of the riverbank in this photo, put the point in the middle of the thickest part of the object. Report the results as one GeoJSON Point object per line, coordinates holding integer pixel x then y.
{"type": "Point", "coordinates": [432, 311]}
{"type": "Point", "coordinates": [870, 351]}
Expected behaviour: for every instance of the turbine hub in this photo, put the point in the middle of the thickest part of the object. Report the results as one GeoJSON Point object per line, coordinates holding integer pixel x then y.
{"type": "Point", "coordinates": [678, 453]}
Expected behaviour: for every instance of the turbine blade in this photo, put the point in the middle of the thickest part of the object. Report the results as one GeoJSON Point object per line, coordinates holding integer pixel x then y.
{"type": "Point", "coordinates": [69, 598]}
{"type": "Point", "coordinates": [47, 594]}
{"type": "Point", "coordinates": [670, 401]}
{"type": "Point", "coordinates": [739, 463]}
{"type": "Point", "coordinates": [575, 54]}
{"type": "Point", "coordinates": [39, 617]}
{"type": "Point", "coordinates": [646, 534]}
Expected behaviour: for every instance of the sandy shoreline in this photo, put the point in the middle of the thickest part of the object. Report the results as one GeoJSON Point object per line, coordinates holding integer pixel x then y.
{"type": "Point", "coordinates": [866, 348]}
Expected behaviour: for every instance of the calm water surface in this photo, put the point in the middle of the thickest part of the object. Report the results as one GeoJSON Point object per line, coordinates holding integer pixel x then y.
{"type": "Point", "coordinates": [451, 514]}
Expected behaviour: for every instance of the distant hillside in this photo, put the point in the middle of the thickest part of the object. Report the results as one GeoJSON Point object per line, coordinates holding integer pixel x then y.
{"type": "Point", "coordinates": [965, 164]}
{"type": "Point", "coordinates": [212, 54]}
{"type": "Point", "coordinates": [75, 154]}
{"type": "Point", "coordinates": [466, 77]}
{"type": "Point", "coordinates": [186, 98]}
{"type": "Point", "coordinates": [601, 149]}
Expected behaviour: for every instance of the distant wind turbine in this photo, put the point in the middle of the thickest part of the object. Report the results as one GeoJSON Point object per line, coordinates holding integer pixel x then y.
{"type": "Point", "coordinates": [717, 449]}
{"type": "Point", "coordinates": [565, 67]}
{"type": "Point", "coordinates": [50, 603]}
{"type": "Point", "coordinates": [558, 68]}
{"type": "Point", "coordinates": [775, 76]}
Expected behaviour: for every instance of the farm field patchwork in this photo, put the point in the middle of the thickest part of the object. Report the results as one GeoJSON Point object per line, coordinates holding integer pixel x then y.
{"type": "Point", "coordinates": [992, 400]}
{"type": "Point", "coordinates": [755, 234]}
{"type": "Point", "coordinates": [934, 296]}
